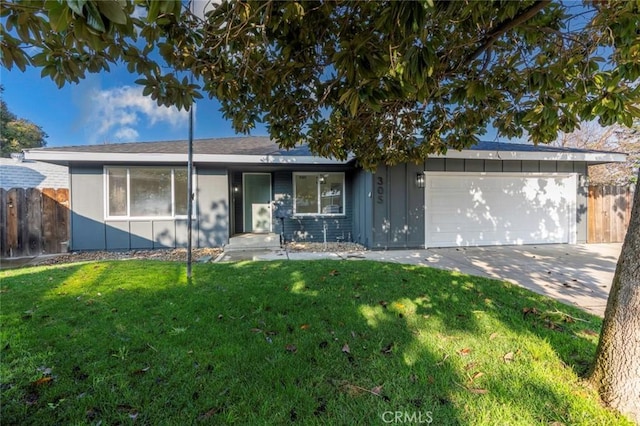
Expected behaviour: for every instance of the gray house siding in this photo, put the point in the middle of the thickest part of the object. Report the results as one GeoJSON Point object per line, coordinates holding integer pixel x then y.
{"type": "Point", "coordinates": [310, 228]}
{"type": "Point", "coordinates": [213, 207]}
{"type": "Point", "coordinates": [90, 230]}
{"type": "Point", "coordinates": [396, 208]}
{"type": "Point", "coordinates": [87, 210]}
{"type": "Point", "coordinates": [362, 193]}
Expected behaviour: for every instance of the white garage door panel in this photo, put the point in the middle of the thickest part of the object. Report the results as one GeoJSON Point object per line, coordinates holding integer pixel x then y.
{"type": "Point", "coordinates": [469, 209]}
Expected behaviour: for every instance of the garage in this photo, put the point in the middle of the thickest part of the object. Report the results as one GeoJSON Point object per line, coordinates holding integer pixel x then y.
{"type": "Point", "coordinates": [484, 209]}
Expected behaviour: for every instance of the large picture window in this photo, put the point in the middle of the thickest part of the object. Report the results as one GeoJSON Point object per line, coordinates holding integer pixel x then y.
{"type": "Point", "coordinates": [146, 192]}
{"type": "Point", "coordinates": [318, 193]}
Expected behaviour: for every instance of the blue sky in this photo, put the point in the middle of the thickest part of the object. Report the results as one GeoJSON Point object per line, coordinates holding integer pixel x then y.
{"type": "Point", "coordinates": [109, 108]}
{"type": "Point", "coordinates": [103, 108]}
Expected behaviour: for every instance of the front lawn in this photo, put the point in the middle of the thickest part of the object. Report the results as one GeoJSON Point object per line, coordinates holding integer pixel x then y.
{"type": "Point", "coordinates": [323, 342]}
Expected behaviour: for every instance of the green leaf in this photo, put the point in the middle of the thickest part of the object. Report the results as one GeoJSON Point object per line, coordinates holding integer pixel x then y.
{"type": "Point", "coordinates": [94, 19]}
{"type": "Point", "coordinates": [77, 6]}
{"type": "Point", "coordinates": [112, 10]}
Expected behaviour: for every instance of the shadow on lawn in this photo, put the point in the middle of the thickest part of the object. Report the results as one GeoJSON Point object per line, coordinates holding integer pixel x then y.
{"type": "Point", "coordinates": [279, 342]}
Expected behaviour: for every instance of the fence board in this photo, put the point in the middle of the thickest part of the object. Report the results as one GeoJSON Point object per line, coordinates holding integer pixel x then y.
{"type": "Point", "coordinates": [34, 221]}
{"type": "Point", "coordinates": [49, 210]}
{"type": "Point", "coordinates": [12, 221]}
{"type": "Point", "coordinates": [4, 250]}
{"type": "Point", "coordinates": [609, 211]}
{"type": "Point", "coordinates": [62, 215]}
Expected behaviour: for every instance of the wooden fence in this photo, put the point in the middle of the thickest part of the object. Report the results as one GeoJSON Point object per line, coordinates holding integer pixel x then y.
{"type": "Point", "coordinates": [608, 213]}
{"type": "Point", "coordinates": [33, 221]}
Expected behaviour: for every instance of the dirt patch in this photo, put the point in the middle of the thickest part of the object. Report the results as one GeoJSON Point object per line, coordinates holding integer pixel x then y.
{"type": "Point", "coordinates": [175, 255]}
{"type": "Point", "coordinates": [322, 247]}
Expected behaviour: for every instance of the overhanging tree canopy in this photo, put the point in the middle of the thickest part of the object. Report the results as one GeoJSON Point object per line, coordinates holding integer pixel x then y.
{"type": "Point", "coordinates": [386, 81]}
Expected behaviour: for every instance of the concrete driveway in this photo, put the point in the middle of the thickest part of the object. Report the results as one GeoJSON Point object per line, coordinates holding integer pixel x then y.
{"type": "Point", "coordinates": [579, 274]}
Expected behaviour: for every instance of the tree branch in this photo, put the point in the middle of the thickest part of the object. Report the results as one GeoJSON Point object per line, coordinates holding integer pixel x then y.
{"type": "Point", "coordinates": [503, 28]}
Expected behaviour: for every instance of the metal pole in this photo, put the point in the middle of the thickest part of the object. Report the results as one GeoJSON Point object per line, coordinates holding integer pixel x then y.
{"type": "Point", "coordinates": [190, 189]}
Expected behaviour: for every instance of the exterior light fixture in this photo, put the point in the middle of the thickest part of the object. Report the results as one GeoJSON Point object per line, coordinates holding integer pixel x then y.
{"type": "Point", "coordinates": [420, 180]}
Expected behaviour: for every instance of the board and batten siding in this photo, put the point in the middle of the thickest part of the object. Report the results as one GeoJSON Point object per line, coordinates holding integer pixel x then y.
{"type": "Point", "coordinates": [362, 190]}
{"type": "Point", "coordinates": [397, 204]}
{"type": "Point", "coordinates": [310, 228]}
{"type": "Point", "coordinates": [90, 230]}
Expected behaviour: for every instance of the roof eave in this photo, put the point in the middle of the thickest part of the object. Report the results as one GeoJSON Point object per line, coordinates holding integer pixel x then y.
{"type": "Point", "coordinates": [66, 157]}
{"type": "Point", "coordinates": [588, 157]}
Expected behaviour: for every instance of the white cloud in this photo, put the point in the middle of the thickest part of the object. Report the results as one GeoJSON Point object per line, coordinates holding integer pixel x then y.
{"type": "Point", "coordinates": [126, 134]}
{"type": "Point", "coordinates": [118, 114]}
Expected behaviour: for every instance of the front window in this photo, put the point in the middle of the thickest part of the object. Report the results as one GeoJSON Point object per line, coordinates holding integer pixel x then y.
{"type": "Point", "coordinates": [318, 193]}
{"type": "Point", "coordinates": [146, 192]}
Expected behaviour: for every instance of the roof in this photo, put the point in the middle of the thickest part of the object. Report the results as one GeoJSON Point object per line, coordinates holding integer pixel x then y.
{"type": "Point", "coordinates": [486, 150]}
{"type": "Point", "coordinates": [263, 150]}
{"type": "Point", "coordinates": [32, 174]}
{"type": "Point", "coordinates": [253, 149]}
{"type": "Point", "coordinates": [254, 145]}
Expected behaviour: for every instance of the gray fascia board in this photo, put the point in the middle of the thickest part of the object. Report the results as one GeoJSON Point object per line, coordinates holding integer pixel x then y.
{"type": "Point", "coordinates": [64, 157]}
{"type": "Point", "coordinates": [589, 157]}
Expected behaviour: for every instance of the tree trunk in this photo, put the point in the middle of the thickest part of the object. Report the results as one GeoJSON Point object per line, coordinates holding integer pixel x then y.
{"type": "Point", "coordinates": [616, 370]}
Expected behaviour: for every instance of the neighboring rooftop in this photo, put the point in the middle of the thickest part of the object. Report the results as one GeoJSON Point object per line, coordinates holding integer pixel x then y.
{"type": "Point", "coordinates": [32, 174]}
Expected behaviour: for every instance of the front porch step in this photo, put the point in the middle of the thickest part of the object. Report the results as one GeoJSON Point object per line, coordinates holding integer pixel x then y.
{"type": "Point", "coordinates": [246, 242]}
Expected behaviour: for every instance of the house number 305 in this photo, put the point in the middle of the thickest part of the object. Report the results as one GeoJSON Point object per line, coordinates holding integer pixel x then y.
{"type": "Point", "coordinates": [379, 190]}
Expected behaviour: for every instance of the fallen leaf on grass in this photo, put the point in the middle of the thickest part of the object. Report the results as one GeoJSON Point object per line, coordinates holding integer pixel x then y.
{"type": "Point", "coordinates": [508, 357]}
{"type": "Point", "coordinates": [443, 359]}
{"type": "Point", "coordinates": [42, 381]}
{"type": "Point", "coordinates": [141, 371]}
{"type": "Point", "coordinates": [334, 272]}
{"type": "Point", "coordinates": [358, 390]}
{"type": "Point", "coordinates": [493, 336]}
{"type": "Point", "coordinates": [476, 375]}
{"type": "Point", "coordinates": [464, 352]}
{"type": "Point", "coordinates": [304, 327]}
{"type": "Point", "coordinates": [589, 332]}
{"type": "Point", "coordinates": [46, 371]}
{"type": "Point", "coordinates": [478, 391]}
{"type": "Point", "coordinates": [291, 348]}
{"type": "Point", "coordinates": [31, 398]}
{"type": "Point", "coordinates": [208, 414]}
{"type": "Point", "coordinates": [126, 408]}
{"type": "Point", "coordinates": [387, 350]}
{"type": "Point", "coordinates": [346, 349]}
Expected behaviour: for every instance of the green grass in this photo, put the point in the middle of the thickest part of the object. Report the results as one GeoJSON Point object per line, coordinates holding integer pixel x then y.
{"type": "Point", "coordinates": [324, 342]}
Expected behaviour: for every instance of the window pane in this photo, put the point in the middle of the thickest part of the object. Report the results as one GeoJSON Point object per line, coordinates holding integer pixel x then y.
{"type": "Point", "coordinates": [306, 194]}
{"type": "Point", "coordinates": [150, 191]}
{"type": "Point", "coordinates": [331, 193]}
{"type": "Point", "coordinates": [180, 176]}
{"type": "Point", "coordinates": [117, 192]}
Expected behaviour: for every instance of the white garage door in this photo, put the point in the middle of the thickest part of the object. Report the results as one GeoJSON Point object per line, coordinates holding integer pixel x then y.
{"type": "Point", "coordinates": [482, 209]}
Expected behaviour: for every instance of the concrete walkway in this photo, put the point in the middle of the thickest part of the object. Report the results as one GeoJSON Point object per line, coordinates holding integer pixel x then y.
{"type": "Point", "coordinates": [579, 274]}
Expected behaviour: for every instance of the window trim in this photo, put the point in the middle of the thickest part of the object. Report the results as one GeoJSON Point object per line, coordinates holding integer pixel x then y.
{"type": "Point", "coordinates": [173, 216]}
{"type": "Point", "coordinates": [319, 200]}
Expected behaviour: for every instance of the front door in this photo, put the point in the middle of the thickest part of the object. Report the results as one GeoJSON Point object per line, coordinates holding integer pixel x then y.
{"type": "Point", "coordinates": [257, 202]}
